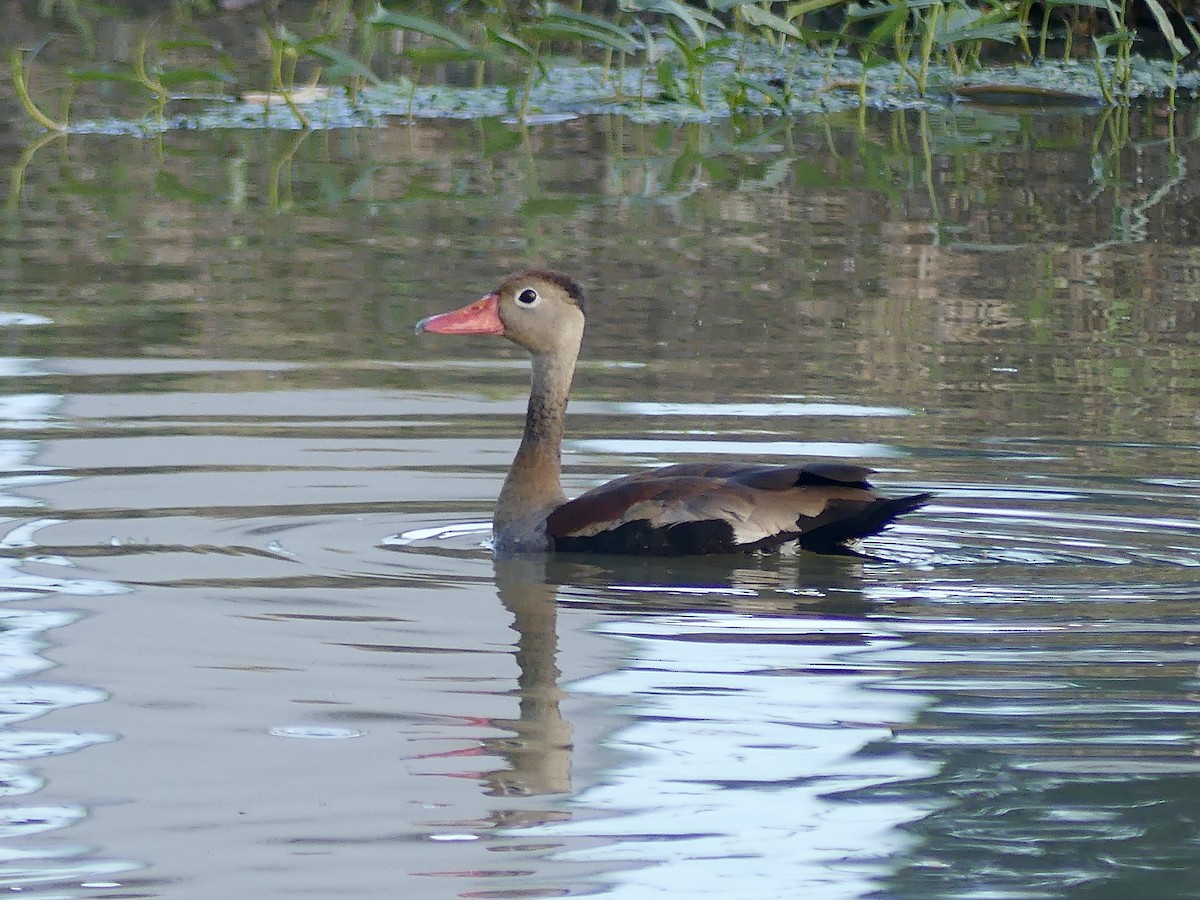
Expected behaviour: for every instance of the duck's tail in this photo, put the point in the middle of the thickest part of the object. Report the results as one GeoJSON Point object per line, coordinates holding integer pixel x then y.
{"type": "Point", "coordinates": [870, 518]}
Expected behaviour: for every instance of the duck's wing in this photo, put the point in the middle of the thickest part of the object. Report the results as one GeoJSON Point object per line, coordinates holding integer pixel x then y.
{"type": "Point", "coordinates": [726, 507]}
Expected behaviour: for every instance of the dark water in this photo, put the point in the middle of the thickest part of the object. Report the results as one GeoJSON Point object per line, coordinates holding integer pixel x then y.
{"type": "Point", "coordinates": [254, 644]}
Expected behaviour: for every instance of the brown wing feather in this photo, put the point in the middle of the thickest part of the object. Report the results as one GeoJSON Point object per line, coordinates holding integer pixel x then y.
{"type": "Point", "coordinates": [616, 502]}
{"type": "Point", "coordinates": [725, 506]}
{"type": "Point", "coordinates": [759, 476]}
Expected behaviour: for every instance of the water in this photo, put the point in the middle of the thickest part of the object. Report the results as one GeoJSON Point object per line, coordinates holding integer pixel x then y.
{"type": "Point", "coordinates": [254, 643]}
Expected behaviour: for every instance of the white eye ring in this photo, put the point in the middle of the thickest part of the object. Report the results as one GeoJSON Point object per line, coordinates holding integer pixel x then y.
{"type": "Point", "coordinates": [528, 297]}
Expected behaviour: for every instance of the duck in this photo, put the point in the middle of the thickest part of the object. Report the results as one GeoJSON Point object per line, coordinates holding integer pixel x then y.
{"type": "Point", "coordinates": [714, 507]}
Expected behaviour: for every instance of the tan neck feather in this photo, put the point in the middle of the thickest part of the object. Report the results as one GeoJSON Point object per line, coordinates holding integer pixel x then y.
{"type": "Point", "coordinates": [534, 486]}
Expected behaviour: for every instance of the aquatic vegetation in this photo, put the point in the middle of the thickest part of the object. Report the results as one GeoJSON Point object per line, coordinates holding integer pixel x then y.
{"type": "Point", "coordinates": [18, 66]}
{"type": "Point", "coordinates": [651, 60]}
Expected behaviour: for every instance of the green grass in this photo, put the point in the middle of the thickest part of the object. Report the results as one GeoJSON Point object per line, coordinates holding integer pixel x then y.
{"type": "Point", "coordinates": [351, 63]}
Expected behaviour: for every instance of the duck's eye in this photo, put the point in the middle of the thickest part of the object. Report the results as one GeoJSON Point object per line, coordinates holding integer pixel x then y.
{"type": "Point", "coordinates": [528, 297]}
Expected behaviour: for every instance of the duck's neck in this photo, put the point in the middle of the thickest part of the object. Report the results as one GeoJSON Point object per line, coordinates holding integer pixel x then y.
{"type": "Point", "coordinates": [533, 487]}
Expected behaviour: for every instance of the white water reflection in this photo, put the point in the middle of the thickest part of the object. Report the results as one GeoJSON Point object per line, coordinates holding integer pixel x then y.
{"type": "Point", "coordinates": [19, 702]}
{"type": "Point", "coordinates": [25, 411]}
{"type": "Point", "coordinates": [26, 820]}
{"type": "Point", "coordinates": [746, 729]}
{"type": "Point", "coordinates": [666, 449]}
{"type": "Point", "coordinates": [22, 534]}
{"type": "Point", "coordinates": [21, 643]}
{"type": "Point", "coordinates": [9, 318]}
{"type": "Point", "coordinates": [474, 533]}
{"type": "Point", "coordinates": [761, 410]}
{"type": "Point", "coordinates": [21, 367]}
{"type": "Point", "coordinates": [315, 732]}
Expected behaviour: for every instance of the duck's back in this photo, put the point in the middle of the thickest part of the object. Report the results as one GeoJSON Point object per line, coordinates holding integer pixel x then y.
{"type": "Point", "coordinates": [726, 507]}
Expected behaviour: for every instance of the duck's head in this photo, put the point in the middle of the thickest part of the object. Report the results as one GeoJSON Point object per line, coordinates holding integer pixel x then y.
{"type": "Point", "coordinates": [539, 310]}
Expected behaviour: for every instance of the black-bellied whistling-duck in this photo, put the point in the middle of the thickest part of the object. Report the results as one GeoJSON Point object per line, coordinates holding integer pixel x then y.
{"type": "Point", "coordinates": [714, 507]}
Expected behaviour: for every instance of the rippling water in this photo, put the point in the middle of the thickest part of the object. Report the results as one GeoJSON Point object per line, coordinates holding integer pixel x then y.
{"type": "Point", "coordinates": [255, 643]}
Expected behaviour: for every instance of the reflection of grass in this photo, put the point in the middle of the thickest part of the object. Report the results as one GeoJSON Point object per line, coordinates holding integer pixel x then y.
{"type": "Point", "coordinates": [929, 150]}
{"type": "Point", "coordinates": [17, 175]}
{"type": "Point", "coordinates": [281, 175]}
{"type": "Point", "coordinates": [918, 203]}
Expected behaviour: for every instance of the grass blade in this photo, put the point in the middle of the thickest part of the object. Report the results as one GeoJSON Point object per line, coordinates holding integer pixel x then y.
{"type": "Point", "coordinates": [385, 18]}
{"type": "Point", "coordinates": [616, 32]}
{"type": "Point", "coordinates": [174, 77]}
{"type": "Point", "coordinates": [552, 30]}
{"type": "Point", "coordinates": [512, 42]}
{"type": "Point", "coordinates": [756, 15]}
{"type": "Point", "coordinates": [690, 16]}
{"type": "Point", "coordinates": [1178, 48]}
{"type": "Point", "coordinates": [345, 60]}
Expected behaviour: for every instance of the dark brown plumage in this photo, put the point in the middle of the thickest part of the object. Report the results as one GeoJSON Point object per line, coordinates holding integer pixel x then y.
{"type": "Point", "coordinates": [716, 507]}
